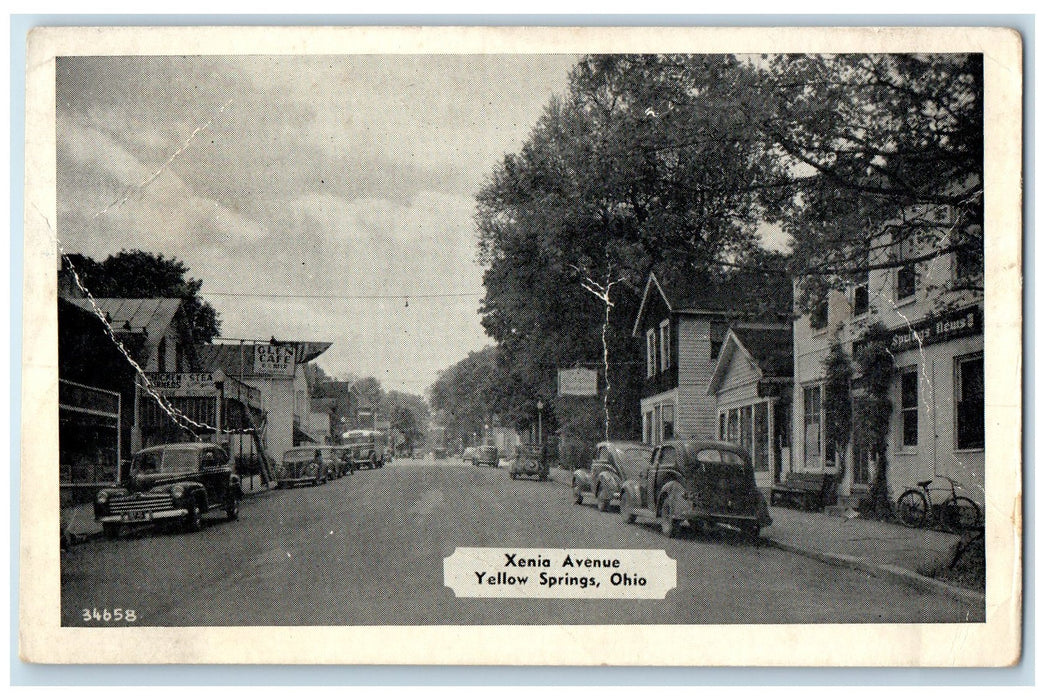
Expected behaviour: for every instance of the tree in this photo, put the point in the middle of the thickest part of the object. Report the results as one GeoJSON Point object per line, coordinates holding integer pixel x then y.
{"type": "Point", "coordinates": [468, 394]}
{"type": "Point", "coordinates": [136, 274]}
{"type": "Point", "coordinates": [838, 406]}
{"type": "Point", "coordinates": [408, 414]}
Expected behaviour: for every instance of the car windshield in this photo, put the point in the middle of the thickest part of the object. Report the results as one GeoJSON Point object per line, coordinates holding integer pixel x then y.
{"type": "Point", "coordinates": [300, 456]}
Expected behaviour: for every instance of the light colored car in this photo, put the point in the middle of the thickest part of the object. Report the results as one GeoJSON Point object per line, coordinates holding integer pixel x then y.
{"type": "Point", "coordinates": [468, 455]}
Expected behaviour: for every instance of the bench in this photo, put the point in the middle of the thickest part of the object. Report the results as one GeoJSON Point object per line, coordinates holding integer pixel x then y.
{"type": "Point", "coordinates": [806, 491]}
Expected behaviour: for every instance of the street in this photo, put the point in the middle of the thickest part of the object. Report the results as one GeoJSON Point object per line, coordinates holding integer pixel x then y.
{"type": "Point", "coordinates": [368, 549]}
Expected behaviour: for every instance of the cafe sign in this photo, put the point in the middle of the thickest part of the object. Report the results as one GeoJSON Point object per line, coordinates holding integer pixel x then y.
{"type": "Point", "coordinates": [954, 324]}
{"type": "Point", "coordinates": [274, 360]}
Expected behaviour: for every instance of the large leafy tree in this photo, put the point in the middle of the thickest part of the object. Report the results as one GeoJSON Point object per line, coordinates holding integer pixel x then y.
{"type": "Point", "coordinates": [469, 394]}
{"type": "Point", "coordinates": [137, 274]}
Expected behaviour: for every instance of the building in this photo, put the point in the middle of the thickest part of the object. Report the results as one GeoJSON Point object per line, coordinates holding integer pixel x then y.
{"type": "Point", "coordinates": [684, 324]}
{"type": "Point", "coordinates": [277, 371]}
{"type": "Point", "coordinates": [751, 383]}
{"type": "Point", "coordinates": [929, 313]}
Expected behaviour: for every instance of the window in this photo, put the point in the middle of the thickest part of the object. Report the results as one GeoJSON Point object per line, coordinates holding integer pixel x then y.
{"type": "Point", "coordinates": [665, 345]}
{"type": "Point", "coordinates": [811, 416]}
{"type": "Point", "coordinates": [717, 335]}
{"type": "Point", "coordinates": [668, 416]}
{"type": "Point", "coordinates": [968, 388]}
{"type": "Point", "coordinates": [657, 434]}
{"type": "Point", "coordinates": [722, 426]}
{"type": "Point", "coordinates": [161, 356]}
{"type": "Point", "coordinates": [733, 429]}
{"type": "Point", "coordinates": [651, 353]}
{"type": "Point", "coordinates": [818, 315]}
{"type": "Point", "coordinates": [906, 275]}
{"type": "Point", "coordinates": [860, 299]}
{"type": "Point", "coordinates": [909, 407]}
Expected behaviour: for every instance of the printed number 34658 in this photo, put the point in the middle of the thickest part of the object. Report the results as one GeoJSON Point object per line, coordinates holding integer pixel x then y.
{"type": "Point", "coordinates": [109, 615]}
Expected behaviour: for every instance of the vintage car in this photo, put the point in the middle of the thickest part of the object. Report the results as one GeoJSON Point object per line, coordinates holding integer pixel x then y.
{"type": "Point", "coordinates": [613, 463]}
{"type": "Point", "coordinates": [468, 455]}
{"type": "Point", "coordinates": [529, 460]}
{"type": "Point", "coordinates": [179, 481]}
{"type": "Point", "coordinates": [367, 447]}
{"type": "Point", "coordinates": [697, 482]}
{"type": "Point", "coordinates": [301, 465]}
{"type": "Point", "coordinates": [485, 456]}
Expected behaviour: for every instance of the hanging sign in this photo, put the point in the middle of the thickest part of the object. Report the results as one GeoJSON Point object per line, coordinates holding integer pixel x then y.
{"type": "Point", "coordinates": [274, 360]}
{"type": "Point", "coordinates": [578, 382]}
{"type": "Point", "coordinates": [183, 383]}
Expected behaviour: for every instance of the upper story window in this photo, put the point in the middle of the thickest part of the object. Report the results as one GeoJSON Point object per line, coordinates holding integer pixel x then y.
{"type": "Point", "coordinates": [665, 345]}
{"type": "Point", "coordinates": [161, 356]}
{"type": "Point", "coordinates": [818, 315]}
{"type": "Point", "coordinates": [861, 299]}
{"type": "Point", "coordinates": [651, 353]}
{"type": "Point", "coordinates": [718, 332]}
{"type": "Point", "coordinates": [906, 275]}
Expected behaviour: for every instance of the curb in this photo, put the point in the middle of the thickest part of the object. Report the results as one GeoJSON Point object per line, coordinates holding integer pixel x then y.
{"type": "Point", "coordinates": [896, 573]}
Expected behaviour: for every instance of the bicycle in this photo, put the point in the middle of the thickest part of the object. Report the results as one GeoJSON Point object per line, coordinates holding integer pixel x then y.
{"type": "Point", "coordinates": [956, 514]}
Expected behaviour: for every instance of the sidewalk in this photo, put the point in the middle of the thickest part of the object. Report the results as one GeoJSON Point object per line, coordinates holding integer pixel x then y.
{"type": "Point", "coordinates": [879, 548]}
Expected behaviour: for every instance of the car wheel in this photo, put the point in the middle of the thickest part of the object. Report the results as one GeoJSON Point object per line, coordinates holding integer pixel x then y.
{"type": "Point", "coordinates": [668, 526]}
{"type": "Point", "coordinates": [111, 530]}
{"type": "Point", "coordinates": [193, 519]}
{"type": "Point", "coordinates": [512, 474]}
{"type": "Point", "coordinates": [232, 508]}
{"type": "Point", "coordinates": [601, 502]}
{"type": "Point", "coordinates": [626, 514]}
{"type": "Point", "coordinates": [578, 495]}
{"type": "Point", "coordinates": [750, 531]}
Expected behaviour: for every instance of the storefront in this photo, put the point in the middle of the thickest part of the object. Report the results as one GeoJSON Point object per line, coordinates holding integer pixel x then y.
{"type": "Point", "coordinates": [752, 387]}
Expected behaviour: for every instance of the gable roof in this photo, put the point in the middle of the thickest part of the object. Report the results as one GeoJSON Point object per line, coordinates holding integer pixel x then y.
{"type": "Point", "coordinates": [150, 316]}
{"type": "Point", "coordinates": [769, 347]}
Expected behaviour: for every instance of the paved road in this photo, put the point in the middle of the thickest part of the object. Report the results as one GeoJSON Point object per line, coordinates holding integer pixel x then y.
{"type": "Point", "coordinates": [369, 548]}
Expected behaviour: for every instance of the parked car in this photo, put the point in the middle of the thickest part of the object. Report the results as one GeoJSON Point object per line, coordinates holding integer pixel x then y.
{"type": "Point", "coordinates": [485, 456]}
{"type": "Point", "coordinates": [696, 482]}
{"type": "Point", "coordinates": [529, 461]}
{"type": "Point", "coordinates": [468, 455]}
{"type": "Point", "coordinates": [301, 465]}
{"type": "Point", "coordinates": [179, 481]}
{"type": "Point", "coordinates": [613, 463]}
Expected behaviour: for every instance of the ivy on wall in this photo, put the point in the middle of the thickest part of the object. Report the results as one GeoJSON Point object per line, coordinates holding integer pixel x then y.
{"type": "Point", "coordinates": [874, 411]}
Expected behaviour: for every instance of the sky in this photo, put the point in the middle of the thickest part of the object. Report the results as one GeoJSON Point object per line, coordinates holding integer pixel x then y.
{"type": "Point", "coordinates": [277, 178]}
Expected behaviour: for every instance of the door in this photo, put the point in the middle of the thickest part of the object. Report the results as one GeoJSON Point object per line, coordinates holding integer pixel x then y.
{"type": "Point", "coordinates": [665, 469]}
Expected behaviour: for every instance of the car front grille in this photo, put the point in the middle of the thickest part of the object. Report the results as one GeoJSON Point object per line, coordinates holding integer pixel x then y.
{"type": "Point", "coordinates": [145, 501]}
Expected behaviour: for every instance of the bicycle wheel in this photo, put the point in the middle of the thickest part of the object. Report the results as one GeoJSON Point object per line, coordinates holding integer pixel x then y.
{"type": "Point", "coordinates": [912, 508]}
{"type": "Point", "coordinates": [959, 514]}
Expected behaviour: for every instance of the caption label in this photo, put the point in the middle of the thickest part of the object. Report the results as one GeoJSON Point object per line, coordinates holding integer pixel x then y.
{"type": "Point", "coordinates": [496, 572]}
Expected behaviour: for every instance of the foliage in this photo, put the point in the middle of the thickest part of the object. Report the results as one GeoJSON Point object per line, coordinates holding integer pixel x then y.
{"type": "Point", "coordinates": [838, 407]}
{"type": "Point", "coordinates": [468, 395]}
{"type": "Point", "coordinates": [135, 274]}
{"type": "Point", "coordinates": [874, 410]}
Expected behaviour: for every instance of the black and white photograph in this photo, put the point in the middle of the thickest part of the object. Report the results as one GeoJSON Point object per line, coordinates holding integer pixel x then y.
{"type": "Point", "coordinates": [522, 334]}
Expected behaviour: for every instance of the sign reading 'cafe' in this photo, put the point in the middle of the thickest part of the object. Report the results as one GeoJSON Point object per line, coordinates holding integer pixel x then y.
{"type": "Point", "coordinates": [937, 329]}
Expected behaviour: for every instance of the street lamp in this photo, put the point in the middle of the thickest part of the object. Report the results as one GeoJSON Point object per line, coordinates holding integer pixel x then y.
{"type": "Point", "coordinates": [540, 409]}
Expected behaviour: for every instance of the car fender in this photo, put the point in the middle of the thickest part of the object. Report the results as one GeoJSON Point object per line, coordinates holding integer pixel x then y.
{"type": "Point", "coordinates": [582, 479]}
{"type": "Point", "coordinates": [634, 492]}
{"type": "Point", "coordinates": [194, 492]}
{"type": "Point", "coordinates": [672, 490]}
{"type": "Point", "coordinates": [609, 480]}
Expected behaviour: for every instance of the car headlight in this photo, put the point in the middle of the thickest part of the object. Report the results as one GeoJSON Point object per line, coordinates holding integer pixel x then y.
{"type": "Point", "coordinates": [101, 498]}
{"type": "Point", "coordinates": [177, 491]}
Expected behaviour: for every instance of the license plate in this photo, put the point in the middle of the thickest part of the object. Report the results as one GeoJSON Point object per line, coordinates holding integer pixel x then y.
{"type": "Point", "coordinates": [137, 516]}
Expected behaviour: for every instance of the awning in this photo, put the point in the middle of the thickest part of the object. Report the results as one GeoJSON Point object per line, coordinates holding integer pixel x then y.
{"type": "Point", "coordinates": [300, 436]}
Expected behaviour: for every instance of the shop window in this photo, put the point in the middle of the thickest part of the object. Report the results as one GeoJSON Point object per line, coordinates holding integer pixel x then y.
{"type": "Point", "coordinates": [722, 426]}
{"type": "Point", "coordinates": [760, 444]}
{"type": "Point", "coordinates": [909, 407]}
{"type": "Point", "coordinates": [651, 353]}
{"type": "Point", "coordinates": [811, 420]}
{"type": "Point", "coordinates": [745, 428]}
{"type": "Point", "coordinates": [969, 402]}
{"type": "Point", "coordinates": [665, 345]}
{"type": "Point", "coordinates": [668, 417]}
